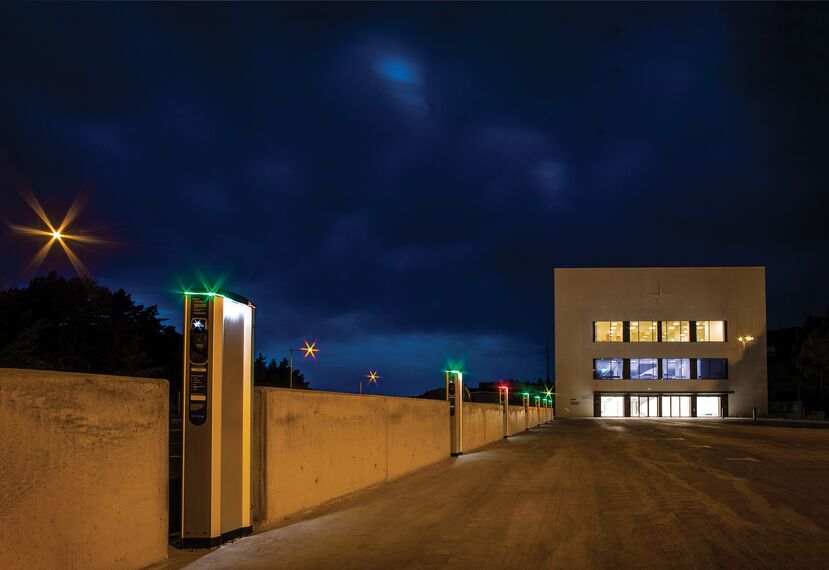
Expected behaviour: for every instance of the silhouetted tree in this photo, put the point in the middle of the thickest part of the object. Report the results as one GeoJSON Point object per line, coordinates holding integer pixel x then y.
{"type": "Point", "coordinates": [77, 325]}
{"type": "Point", "coordinates": [276, 375]}
{"type": "Point", "coordinates": [812, 358]}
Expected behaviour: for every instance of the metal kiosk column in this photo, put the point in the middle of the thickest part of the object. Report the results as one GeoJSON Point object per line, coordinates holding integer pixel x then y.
{"type": "Point", "coordinates": [503, 399]}
{"type": "Point", "coordinates": [218, 377]}
{"type": "Point", "coordinates": [526, 401]}
{"type": "Point", "coordinates": [454, 395]}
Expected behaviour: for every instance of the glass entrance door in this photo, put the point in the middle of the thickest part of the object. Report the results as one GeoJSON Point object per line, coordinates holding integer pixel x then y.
{"type": "Point", "coordinates": [644, 406]}
{"type": "Point", "coordinates": [676, 406]}
{"type": "Point", "coordinates": [708, 406]}
{"type": "Point", "coordinates": [612, 406]}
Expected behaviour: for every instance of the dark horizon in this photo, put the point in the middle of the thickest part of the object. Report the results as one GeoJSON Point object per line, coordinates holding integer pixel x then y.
{"type": "Point", "coordinates": [400, 180]}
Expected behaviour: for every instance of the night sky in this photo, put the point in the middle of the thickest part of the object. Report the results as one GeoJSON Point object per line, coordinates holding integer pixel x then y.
{"type": "Point", "coordinates": [399, 180]}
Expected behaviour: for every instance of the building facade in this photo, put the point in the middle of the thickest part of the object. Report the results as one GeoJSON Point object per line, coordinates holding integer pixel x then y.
{"type": "Point", "coordinates": [660, 342]}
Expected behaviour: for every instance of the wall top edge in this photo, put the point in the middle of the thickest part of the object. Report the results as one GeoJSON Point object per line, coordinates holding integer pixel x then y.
{"type": "Point", "coordinates": [350, 394]}
{"type": "Point", "coordinates": [60, 375]}
{"type": "Point", "coordinates": [676, 267]}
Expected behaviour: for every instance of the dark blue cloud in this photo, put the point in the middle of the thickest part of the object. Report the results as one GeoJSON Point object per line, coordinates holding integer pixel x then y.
{"type": "Point", "coordinates": [400, 179]}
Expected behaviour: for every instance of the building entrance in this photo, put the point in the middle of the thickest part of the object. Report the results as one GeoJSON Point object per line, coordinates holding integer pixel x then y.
{"type": "Point", "coordinates": [644, 406]}
{"type": "Point", "coordinates": [613, 406]}
{"type": "Point", "coordinates": [676, 406]}
{"type": "Point", "coordinates": [660, 405]}
{"type": "Point", "coordinates": [708, 406]}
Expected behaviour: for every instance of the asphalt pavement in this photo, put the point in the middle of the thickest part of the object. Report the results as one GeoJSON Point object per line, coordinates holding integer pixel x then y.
{"type": "Point", "coordinates": [623, 493]}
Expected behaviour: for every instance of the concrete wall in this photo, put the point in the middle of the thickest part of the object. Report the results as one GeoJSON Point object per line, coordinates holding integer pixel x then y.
{"type": "Point", "coordinates": [311, 447]}
{"type": "Point", "coordinates": [516, 420]}
{"type": "Point", "coordinates": [83, 470]}
{"type": "Point", "coordinates": [482, 424]}
{"type": "Point", "coordinates": [736, 295]}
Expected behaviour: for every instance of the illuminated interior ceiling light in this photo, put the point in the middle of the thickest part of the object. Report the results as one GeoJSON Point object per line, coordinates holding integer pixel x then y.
{"type": "Point", "coordinates": [55, 234]}
{"type": "Point", "coordinates": [309, 349]}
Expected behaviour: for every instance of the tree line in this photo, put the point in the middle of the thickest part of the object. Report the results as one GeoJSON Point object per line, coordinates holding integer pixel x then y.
{"type": "Point", "coordinates": [77, 325]}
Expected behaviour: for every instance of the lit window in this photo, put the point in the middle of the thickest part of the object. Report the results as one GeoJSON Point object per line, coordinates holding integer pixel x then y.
{"type": "Point", "coordinates": [607, 368]}
{"type": "Point", "coordinates": [644, 368]}
{"type": "Point", "coordinates": [612, 406]}
{"type": "Point", "coordinates": [712, 368]}
{"type": "Point", "coordinates": [608, 331]}
{"type": "Point", "coordinates": [643, 331]}
{"type": "Point", "coordinates": [676, 368]}
{"type": "Point", "coordinates": [710, 331]}
{"type": "Point", "coordinates": [708, 406]}
{"type": "Point", "coordinates": [676, 331]}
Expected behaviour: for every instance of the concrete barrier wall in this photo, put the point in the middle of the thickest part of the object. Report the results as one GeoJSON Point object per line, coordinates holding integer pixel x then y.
{"type": "Point", "coordinates": [482, 424]}
{"type": "Point", "coordinates": [311, 447]}
{"type": "Point", "coordinates": [83, 470]}
{"type": "Point", "coordinates": [516, 420]}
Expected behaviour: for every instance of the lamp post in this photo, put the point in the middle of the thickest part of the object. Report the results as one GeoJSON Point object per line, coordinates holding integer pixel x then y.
{"type": "Point", "coordinates": [310, 349]}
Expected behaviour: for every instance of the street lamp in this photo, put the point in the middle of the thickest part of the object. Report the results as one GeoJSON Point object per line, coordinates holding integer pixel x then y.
{"type": "Point", "coordinates": [309, 350]}
{"type": "Point", "coordinates": [373, 376]}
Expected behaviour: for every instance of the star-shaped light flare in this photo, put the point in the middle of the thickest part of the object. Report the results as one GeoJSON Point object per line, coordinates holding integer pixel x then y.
{"type": "Point", "coordinates": [54, 233]}
{"type": "Point", "coordinates": [373, 376]}
{"type": "Point", "coordinates": [310, 349]}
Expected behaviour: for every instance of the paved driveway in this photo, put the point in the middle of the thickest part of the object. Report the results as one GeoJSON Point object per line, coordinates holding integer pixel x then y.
{"type": "Point", "coordinates": [578, 494]}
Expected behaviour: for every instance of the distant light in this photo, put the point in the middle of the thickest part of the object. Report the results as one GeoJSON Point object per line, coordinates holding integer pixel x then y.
{"type": "Point", "coordinates": [373, 376]}
{"type": "Point", "coordinates": [309, 349]}
{"type": "Point", "coordinates": [57, 233]}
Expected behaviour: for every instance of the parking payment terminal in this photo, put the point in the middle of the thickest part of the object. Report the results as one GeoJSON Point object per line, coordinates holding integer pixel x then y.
{"type": "Point", "coordinates": [526, 401]}
{"type": "Point", "coordinates": [503, 400]}
{"type": "Point", "coordinates": [454, 395]}
{"type": "Point", "coordinates": [218, 378]}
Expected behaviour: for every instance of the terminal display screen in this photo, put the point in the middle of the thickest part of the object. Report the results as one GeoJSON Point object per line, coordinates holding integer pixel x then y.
{"type": "Point", "coordinates": [198, 341]}
{"type": "Point", "coordinates": [198, 355]}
